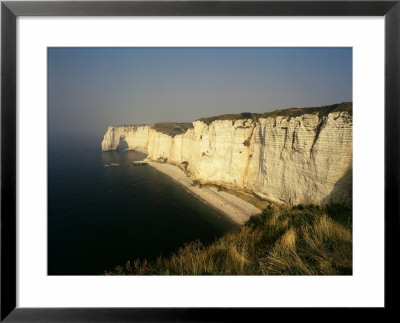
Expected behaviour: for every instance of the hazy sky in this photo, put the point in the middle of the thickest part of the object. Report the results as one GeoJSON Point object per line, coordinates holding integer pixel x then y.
{"type": "Point", "coordinates": [91, 88]}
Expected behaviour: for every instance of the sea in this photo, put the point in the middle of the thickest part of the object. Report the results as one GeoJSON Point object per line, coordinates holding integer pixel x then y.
{"type": "Point", "coordinates": [104, 211]}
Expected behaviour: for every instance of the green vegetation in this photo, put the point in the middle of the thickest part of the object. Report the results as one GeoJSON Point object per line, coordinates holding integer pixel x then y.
{"type": "Point", "coordinates": [171, 128]}
{"type": "Point", "coordinates": [233, 117]}
{"type": "Point", "coordinates": [292, 112]}
{"type": "Point", "coordinates": [322, 111]}
{"type": "Point", "coordinates": [303, 240]}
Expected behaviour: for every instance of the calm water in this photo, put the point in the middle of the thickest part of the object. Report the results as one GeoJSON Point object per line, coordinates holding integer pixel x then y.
{"type": "Point", "coordinates": [101, 216]}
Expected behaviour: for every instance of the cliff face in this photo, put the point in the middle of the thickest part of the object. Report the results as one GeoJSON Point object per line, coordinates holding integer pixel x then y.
{"type": "Point", "coordinates": [302, 158]}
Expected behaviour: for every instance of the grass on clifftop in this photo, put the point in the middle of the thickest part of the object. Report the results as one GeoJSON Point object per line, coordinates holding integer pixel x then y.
{"type": "Point", "coordinates": [322, 111]}
{"type": "Point", "coordinates": [171, 128]}
{"type": "Point", "coordinates": [292, 112]}
{"type": "Point", "coordinates": [233, 117]}
{"type": "Point", "coordinates": [303, 240]}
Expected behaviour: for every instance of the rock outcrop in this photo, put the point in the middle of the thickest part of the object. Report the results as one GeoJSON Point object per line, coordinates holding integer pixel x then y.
{"type": "Point", "coordinates": [290, 156]}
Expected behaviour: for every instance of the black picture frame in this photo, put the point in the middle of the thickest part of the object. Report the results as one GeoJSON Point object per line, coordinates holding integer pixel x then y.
{"type": "Point", "coordinates": [10, 10]}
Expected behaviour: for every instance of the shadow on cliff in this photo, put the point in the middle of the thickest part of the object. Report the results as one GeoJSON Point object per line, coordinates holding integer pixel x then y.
{"type": "Point", "coordinates": [123, 145]}
{"type": "Point", "coordinates": [342, 191]}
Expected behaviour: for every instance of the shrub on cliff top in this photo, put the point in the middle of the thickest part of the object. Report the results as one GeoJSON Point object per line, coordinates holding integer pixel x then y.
{"type": "Point", "coordinates": [171, 128]}
{"type": "Point", "coordinates": [322, 111]}
{"type": "Point", "coordinates": [239, 116]}
{"type": "Point", "coordinates": [292, 112]}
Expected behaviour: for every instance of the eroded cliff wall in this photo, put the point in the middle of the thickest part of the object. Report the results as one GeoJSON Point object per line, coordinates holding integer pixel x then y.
{"type": "Point", "coordinates": [292, 159]}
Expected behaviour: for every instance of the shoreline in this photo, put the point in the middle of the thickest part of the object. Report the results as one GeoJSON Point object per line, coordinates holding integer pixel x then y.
{"type": "Point", "coordinates": [236, 209]}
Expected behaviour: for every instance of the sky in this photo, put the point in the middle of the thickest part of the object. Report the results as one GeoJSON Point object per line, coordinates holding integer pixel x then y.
{"type": "Point", "coordinates": [92, 88]}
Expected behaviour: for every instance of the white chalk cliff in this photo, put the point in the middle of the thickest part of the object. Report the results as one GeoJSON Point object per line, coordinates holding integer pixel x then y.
{"type": "Point", "coordinates": [291, 156]}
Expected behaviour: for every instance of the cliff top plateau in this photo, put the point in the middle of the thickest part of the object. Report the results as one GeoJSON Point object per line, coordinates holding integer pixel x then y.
{"type": "Point", "coordinates": [173, 128]}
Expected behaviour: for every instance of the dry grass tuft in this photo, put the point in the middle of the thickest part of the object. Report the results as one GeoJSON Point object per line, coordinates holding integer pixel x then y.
{"type": "Point", "coordinates": [303, 240]}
